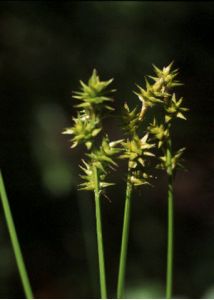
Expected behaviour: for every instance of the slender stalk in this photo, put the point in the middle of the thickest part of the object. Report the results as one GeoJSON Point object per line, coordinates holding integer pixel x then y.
{"type": "Point", "coordinates": [124, 243]}
{"type": "Point", "coordinates": [169, 273]}
{"type": "Point", "coordinates": [15, 243]}
{"type": "Point", "coordinates": [99, 237]}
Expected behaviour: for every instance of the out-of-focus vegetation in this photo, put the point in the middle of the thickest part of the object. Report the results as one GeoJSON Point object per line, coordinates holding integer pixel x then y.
{"type": "Point", "coordinates": [46, 47]}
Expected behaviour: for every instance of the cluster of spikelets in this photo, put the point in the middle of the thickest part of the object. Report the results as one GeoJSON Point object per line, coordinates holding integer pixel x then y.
{"type": "Point", "coordinates": [93, 99]}
{"type": "Point", "coordinates": [87, 125]}
{"type": "Point", "coordinates": [138, 149]}
{"type": "Point", "coordinates": [135, 149]}
{"type": "Point", "coordinates": [173, 109]}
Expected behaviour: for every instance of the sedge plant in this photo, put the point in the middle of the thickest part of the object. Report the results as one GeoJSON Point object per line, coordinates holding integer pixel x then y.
{"type": "Point", "coordinates": [15, 242]}
{"type": "Point", "coordinates": [169, 160]}
{"type": "Point", "coordinates": [87, 125]}
{"type": "Point", "coordinates": [137, 149]}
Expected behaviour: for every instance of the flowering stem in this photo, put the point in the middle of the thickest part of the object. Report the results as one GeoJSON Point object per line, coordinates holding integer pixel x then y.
{"type": "Point", "coordinates": [15, 242]}
{"type": "Point", "coordinates": [169, 273]}
{"type": "Point", "coordinates": [99, 236]}
{"type": "Point", "coordinates": [124, 243]}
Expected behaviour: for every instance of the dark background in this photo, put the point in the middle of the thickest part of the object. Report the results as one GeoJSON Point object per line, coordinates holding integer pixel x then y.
{"type": "Point", "coordinates": [45, 48]}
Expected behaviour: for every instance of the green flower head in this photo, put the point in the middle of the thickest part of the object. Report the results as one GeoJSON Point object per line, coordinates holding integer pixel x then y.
{"type": "Point", "coordinates": [174, 109]}
{"type": "Point", "coordinates": [102, 159]}
{"type": "Point", "coordinates": [165, 79]}
{"type": "Point", "coordinates": [130, 119]}
{"type": "Point", "coordinates": [159, 132]}
{"type": "Point", "coordinates": [160, 90]}
{"type": "Point", "coordinates": [94, 94]}
{"type": "Point", "coordinates": [85, 128]}
{"type": "Point", "coordinates": [93, 97]}
{"type": "Point", "coordinates": [137, 151]}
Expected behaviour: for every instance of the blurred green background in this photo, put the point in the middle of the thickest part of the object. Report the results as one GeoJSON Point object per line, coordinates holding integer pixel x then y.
{"type": "Point", "coordinates": [45, 48]}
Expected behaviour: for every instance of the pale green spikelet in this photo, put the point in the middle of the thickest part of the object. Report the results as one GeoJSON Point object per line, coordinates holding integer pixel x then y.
{"type": "Point", "coordinates": [176, 161]}
{"type": "Point", "coordinates": [84, 130]}
{"type": "Point", "coordinates": [94, 94]}
{"type": "Point", "coordinates": [160, 90]}
{"type": "Point", "coordinates": [174, 109]}
{"type": "Point", "coordinates": [137, 151]}
{"type": "Point", "coordinates": [130, 119]}
{"type": "Point", "coordinates": [102, 158]}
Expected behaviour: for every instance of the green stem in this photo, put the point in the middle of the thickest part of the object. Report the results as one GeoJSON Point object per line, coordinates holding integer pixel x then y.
{"type": "Point", "coordinates": [124, 243]}
{"type": "Point", "coordinates": [99, 236]}
{"type": "Point", "coordinates": [15, 242]}
{"type": "Point", "coordinates": [169, 273]}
